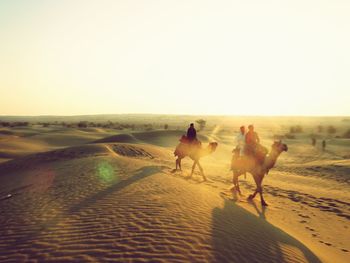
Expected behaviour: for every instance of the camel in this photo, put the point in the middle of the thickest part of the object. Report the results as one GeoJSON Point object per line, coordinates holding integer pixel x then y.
{"type": "Point", "coordinates": [257, 169]}
{"type": "Point", "coordinates": [195, 152]}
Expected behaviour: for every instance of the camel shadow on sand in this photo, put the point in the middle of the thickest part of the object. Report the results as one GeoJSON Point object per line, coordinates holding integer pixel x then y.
{"type": "Point", "coordinates": [239, 236]}
{"type": "Point", "coordinates": [28, 236]}
{"type": "Point", "coordinates": [140, 174]}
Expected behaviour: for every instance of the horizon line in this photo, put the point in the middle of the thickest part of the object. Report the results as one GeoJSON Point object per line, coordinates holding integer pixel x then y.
{"type": "Point", "coordinates": [176, 114]}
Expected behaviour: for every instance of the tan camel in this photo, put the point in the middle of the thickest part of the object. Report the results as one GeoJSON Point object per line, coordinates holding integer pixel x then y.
{"type": "Point", "coordinates": [257, 169]}
{"type": "Point", "coordinates": [195, 152]}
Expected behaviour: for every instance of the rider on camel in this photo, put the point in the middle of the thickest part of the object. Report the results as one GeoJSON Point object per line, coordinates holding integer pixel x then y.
{"type": "Point", "coordinates": [191, 133]}
{"type": "Point", "coordinates": [253, 146]}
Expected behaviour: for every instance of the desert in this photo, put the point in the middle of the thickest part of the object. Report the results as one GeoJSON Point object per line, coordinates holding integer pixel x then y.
{"type": "Point", "coordinates": [82, 193]}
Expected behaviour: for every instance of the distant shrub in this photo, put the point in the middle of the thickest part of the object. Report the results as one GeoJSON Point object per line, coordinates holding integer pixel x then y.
{"type": "Point", "coordinates": [290, 136]}
{"type": "Point", "coordinates": [331, 129]}
{"type": "Point", "coordinates": [347, 134]}
{"type": "Point", "coordinates": [19, 124]}
{"type": "Point", "coordinates": [91, 124]}
{"type": "Point", "coordinates": [127, 126]}
{"type": "Point", "coordinates": [5, 124]}
{"type": "Point", "coordinates": [296, 129]}
{"type": "Point", "coordinates": [106, 125]}
{"type": "Point", "coordinates": [201, 123]}
{"type": "Point", "coordinates": [82, 124]}
{"type": "Point", "coordinates": [148, 127]}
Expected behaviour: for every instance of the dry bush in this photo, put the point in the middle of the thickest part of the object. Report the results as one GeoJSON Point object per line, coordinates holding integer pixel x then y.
{"type": "Point", "coordinates": [331, 129]}
{"type": "Point", "coordinates": [201, 123]}
{"type": "Point", "coordinates": [83, 124]}
{"type": "Point", "coordinates": [296, 129]}
{"type": "Point", "coordinates": [347, 134]}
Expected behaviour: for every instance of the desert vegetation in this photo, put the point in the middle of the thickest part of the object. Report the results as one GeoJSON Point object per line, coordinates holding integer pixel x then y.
{"type": "Point", "coordinates": [201, 123]}
{"type": "Point", "coordinates": [296, 129]}
{"type": "Point", "coordinates": [14, 124]}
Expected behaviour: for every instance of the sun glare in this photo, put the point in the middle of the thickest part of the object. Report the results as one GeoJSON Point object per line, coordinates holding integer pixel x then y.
{"type": "Point", "coordinates": [190, 57]}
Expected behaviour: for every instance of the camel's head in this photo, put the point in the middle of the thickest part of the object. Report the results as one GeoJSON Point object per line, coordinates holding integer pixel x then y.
{"type": "Point", "coordinates": [212, 146]}
{"type": "Point", "coordinates": [279, 146]}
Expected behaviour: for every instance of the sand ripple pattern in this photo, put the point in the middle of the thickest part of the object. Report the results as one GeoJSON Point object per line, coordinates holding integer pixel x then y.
{"type": "Point", "coordinates": [144, 215]}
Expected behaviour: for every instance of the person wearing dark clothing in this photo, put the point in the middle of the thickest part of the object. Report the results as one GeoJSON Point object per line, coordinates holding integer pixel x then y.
{"type": "Point", "coordinates": [323, 145]}
{"type": "Point", "coordinates": [253, 146]}
{"type": "Point", "coordinates": [251, 137]}
{"type": "Point", "coordinates": [191, 133]}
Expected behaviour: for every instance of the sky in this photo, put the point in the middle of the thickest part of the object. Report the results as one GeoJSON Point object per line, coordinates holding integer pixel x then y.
{"type": "Point", "coordinates": [243, 57]}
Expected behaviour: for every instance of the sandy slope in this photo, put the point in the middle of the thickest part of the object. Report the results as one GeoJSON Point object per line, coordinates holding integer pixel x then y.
{"type": "Point", "coordinates": [117, 200]}
{"type": "Point", "coordinates": [18, 142]}
{"type": "Point", "coordinates": [98, 205]}
{"type": "Point", "coordinates": [308, 193]}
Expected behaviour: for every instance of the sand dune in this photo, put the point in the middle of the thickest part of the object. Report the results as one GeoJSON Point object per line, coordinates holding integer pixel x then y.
{"type": "Point", "coordinates": [18, 142]}
{"type": "Point", "coordinates": [168, 138]}
{"type": "Point", "coordinates": [125, 138]}
{"type": "Point", "coordinates": [115, 198]}
{"type": "Point", "coordinates": [91, 204]}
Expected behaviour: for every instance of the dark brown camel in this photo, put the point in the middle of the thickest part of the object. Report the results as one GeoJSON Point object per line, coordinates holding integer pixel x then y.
{"type": "Point", "coordinates": [195, 152]}
{"type": "Point", "coordinates": [257, 169]}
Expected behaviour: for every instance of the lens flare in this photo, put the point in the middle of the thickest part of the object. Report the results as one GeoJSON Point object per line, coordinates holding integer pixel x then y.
{"type": "Point", "coordinates": [105, 172]}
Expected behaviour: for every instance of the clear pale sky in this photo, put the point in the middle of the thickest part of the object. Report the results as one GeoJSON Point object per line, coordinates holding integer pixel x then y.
{"type": "Point", "coordinates": [248, 57]}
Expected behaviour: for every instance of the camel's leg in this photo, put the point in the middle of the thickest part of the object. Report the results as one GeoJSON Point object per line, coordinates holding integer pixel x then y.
{"type": "Point", "coordinates": [178, 163]}
{"type": "Point", "coordinates": [202, 172]}
{"type": "Point", "coordinates": [260, 190]}
{"type": "Point", "coordinates": [263, 203]}
{"type": "Point", "coordinates": [258, 182]}
{"type": "Point", "coordinates": [252, 196]}
{"type": "Point", "coordinates": [236, 183]}
{"type": "Point", "coordinates": [193, 166]}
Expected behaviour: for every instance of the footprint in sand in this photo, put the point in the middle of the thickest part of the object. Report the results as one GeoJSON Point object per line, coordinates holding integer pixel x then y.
{"type": "Point", "coordinates": [311, 229]}
{"type": "Point", "coordinates": [303, 216]}
{"type": "Point", "coordinates": [326, 243]}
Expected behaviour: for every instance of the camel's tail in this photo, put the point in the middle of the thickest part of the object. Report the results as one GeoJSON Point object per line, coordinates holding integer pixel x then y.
{"type": "Point", "coordinates": [176, 152]}
{"type": "Point", "coordinates": [179, 149]}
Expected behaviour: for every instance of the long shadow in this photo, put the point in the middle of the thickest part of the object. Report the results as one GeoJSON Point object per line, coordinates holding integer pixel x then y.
{"type": "Point", "coordinates": [261, 212]}
{"type": "Point", "coordinates": [239, 236]}
{"type": "Point", "coordinates": [33, 234]}
{"type": "Point", "coordinates": [140, 174]}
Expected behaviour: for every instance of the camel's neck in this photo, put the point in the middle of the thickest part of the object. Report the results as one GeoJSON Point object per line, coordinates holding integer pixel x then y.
{"type": "Point", "coordinates": [271, 159]}
{"type": "Point", "coordinates": [206, 151]}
